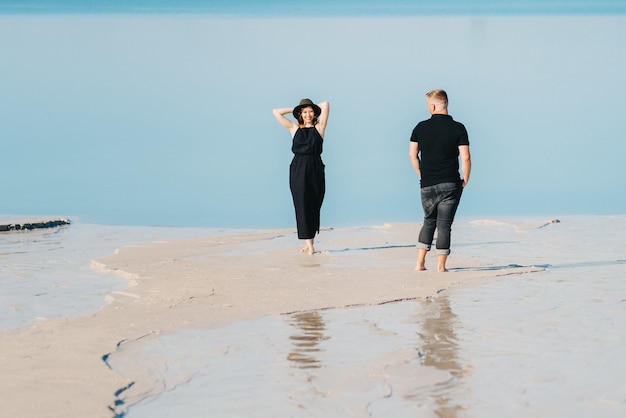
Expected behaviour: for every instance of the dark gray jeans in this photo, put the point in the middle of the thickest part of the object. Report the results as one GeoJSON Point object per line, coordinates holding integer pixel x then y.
{"type": "Point", "coordinates": [440, 203]}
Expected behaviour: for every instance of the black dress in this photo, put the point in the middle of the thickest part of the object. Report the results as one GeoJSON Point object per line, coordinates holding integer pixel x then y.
{"type": "Point", "coordinates": [307, 181]}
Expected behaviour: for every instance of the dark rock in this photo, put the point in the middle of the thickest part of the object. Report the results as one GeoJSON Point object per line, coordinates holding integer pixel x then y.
{"type": "Point", "coordinates": [30, 225]}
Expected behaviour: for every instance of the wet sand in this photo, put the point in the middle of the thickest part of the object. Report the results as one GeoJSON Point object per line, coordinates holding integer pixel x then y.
{"type": "Point", "coordinates": [59, 368]}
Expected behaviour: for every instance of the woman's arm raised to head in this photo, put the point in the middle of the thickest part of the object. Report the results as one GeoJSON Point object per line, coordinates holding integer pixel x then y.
{"type": "Point", "coordinates": [322, 120]}
{"type": "Point", "coordinates": [280, 113]}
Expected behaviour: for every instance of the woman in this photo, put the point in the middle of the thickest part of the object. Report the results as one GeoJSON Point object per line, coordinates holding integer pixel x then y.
{"type": "Point", "coordinates": [306, 172]}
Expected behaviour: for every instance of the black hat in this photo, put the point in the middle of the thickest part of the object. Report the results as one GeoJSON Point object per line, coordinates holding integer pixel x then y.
{"type": "Point", "coordinates": [306, 103]}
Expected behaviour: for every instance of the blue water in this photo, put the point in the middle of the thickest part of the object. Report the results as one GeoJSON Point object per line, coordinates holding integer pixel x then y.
{"type": "Point", "coordinates": [165, 118]}
{"type": "Point", "coordinates": [318, 8]}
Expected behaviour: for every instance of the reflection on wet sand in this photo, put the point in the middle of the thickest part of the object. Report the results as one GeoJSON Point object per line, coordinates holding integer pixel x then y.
{"type": "Point", "coordinates": [437, 345]}
{"type": "Point", "coordinates": [306, 343]}
{"type": "Point", "coordinates": [440, 350]}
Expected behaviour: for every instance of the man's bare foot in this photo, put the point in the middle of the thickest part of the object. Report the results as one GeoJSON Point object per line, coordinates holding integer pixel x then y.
{"type": "Point", "coordinates": [441, 263]}
{"type": "Point", "coordinates": [421, 260]}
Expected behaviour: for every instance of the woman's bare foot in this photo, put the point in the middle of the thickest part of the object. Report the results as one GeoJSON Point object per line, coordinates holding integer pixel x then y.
{"type": "Point", "coordinates": [308, 248]}
{"type": "Point", "coordinates": [420, 267]}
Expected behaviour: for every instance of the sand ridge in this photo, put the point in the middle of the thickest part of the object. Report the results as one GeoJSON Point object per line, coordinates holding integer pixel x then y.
{"type": "Point", "coordinates": [209, 282]}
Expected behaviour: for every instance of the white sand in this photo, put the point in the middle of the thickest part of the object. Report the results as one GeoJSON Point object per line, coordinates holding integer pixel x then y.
{"type": "Point", "coordinates": [57, 367]}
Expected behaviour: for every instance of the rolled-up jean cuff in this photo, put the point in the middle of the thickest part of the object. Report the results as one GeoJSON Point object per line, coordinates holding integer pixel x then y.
{"type": "Point", "coordinates": [442, 252]}
{"type": "Point", "coordinates": [422, 246]}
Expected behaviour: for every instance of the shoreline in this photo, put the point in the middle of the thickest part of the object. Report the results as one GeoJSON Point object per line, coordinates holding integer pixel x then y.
{"type": "Point", "coordinates": [206, 283]}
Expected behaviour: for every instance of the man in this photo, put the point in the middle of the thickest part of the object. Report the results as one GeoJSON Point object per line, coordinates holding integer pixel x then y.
{"type": "Point", "coordinates": [435, 147]}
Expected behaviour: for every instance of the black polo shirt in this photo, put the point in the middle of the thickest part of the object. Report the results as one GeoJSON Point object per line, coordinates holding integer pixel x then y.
{"type": "Point", "coordinates": [439, 139]}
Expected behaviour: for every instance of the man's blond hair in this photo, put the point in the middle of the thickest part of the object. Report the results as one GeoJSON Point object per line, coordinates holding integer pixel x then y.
{"type": "Point", "coordinates": [439, 97]}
